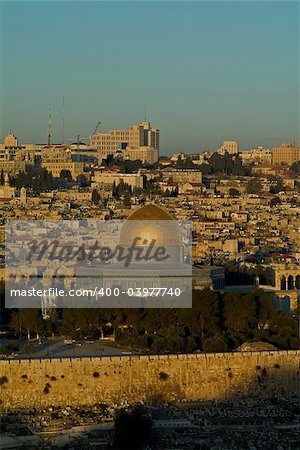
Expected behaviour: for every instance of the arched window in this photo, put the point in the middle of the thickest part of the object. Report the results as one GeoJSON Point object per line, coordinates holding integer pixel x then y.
{"type": "Point", "coordinates": [290, 282]}
{"type": "Point", "coordinates": [297, 282]}
{"type": "Point", "coordinates": [283, 283]}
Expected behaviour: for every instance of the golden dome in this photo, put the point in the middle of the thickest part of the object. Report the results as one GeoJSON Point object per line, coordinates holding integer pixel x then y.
{"type": "Point", "coordinates": [150, 212]}
{"type": "Point", "coordinates": [148, 223]}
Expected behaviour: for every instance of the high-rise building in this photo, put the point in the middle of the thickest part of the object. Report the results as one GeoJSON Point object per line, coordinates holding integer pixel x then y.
{"type": "Point", "coordinates": [286, 154]}
{"type": "Point", "coordinates": [141, 135]}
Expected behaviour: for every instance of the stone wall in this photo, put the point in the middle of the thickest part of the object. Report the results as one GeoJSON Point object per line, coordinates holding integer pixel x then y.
{"type": "Point", "coordinates": [116, 380]}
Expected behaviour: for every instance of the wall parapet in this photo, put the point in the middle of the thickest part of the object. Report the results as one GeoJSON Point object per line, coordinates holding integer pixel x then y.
{"type": "Point", "coordinates": [157, 357]}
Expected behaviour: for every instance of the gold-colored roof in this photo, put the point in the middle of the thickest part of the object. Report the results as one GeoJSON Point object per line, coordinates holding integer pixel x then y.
{"type": "Point", "coordinates": [150, 212]}
{"type": "Point", "coordinates": [149, 222]}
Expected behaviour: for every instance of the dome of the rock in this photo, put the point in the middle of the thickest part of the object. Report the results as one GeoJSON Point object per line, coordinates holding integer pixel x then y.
{"type": "Point", "coordinates": [151, 222]}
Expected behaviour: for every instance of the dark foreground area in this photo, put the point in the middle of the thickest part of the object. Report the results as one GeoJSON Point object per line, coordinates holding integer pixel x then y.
{"type": "Point", "coordinates": [244, 424]}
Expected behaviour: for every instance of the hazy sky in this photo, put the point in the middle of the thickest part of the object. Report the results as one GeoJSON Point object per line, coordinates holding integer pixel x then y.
{"type": "Point", "coordinates": [206, 71]}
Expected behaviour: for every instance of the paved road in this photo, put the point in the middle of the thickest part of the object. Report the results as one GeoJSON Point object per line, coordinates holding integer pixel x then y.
{"type": "Point", "coordinates": [60, 349]}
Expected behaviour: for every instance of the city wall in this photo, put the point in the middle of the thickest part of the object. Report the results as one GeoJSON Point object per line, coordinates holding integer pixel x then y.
{"type": "Point", "coordinates": [117, 380]}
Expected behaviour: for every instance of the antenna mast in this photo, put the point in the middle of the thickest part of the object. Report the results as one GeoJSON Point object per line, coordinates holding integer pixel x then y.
{"type": "Point", "coordinates": [49, 128]}
{"type": "Point", "coordinates": [63, 120]}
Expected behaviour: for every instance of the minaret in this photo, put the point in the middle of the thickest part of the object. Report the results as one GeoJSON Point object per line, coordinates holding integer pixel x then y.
{"type": "Point", "coordinates": [23, 195]}
{"type": "Point", "coordinates": [6, 180]}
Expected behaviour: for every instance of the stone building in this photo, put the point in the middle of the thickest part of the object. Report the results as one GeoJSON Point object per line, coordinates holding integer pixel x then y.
{"type": "Point", "coordinates": [11, 140]}
{"type": "Point", "coordinates": [183, 176]}
{"type": "Point", "coordinates": [109, 178]}
{"type": "Point", "coordinates": [231, 147]}
{"type": "Point", "coordinates": [56, 158]}
{"type": "Point", "coordinates": [141, 135]}
{"type": "Point", "coordinates": [144, 154]}
{"type": "Point", "coordinates": [286, 154]}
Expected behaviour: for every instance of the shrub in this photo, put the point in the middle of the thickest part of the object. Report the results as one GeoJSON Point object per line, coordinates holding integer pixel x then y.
{"type": "Point", "coordinates": [132, 428]}
{"type": "Point", "coordinates": [96, 374]}
{"type": "Point", "coordinates": [215, 344]}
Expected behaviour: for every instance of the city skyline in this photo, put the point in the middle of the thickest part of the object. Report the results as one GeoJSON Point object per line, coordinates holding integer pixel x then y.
{"type": "Point", "coordinates": [201, 73]}
{"type": "Point", "coordinates": [150, 224]}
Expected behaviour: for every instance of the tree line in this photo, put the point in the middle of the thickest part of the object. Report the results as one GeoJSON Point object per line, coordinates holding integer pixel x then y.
{"type": "Point", "coordinates": [216, 322]}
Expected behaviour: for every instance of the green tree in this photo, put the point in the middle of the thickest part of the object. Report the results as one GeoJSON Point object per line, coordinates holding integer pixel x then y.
{"type": "Point", "coordinates": [239, 312]}
{"type": "Point", "coordinates": [186, 163]}
{"type": "Point", "coordinates": [114, 190]}
{"type": "Point", "coordinates": [82, 180]}
{"type": "Point", "coordinates": [95, 197]}
{"type": "Point", "coordinates": [277, 185]}
{"type": "Point", "coordinates": [29, 320]}
{"type": "Point", "coordinates": [275, 201]}
{"type": "Point", "coordinates": [203, 317]}
{"type": "Point", "coordinates": [234, 192]}
{"type": "Point", "coordinates": [265, 308]}
{"type": "Point", "coordinates": [132, 428]}
{"type": "Point", "coordinates": [215, 344]}
{"type": "Point", "coordinates": [254, 186]}
{"type": "Point", "coordinates": [66, 173]}
{"type": "Point", "coordinates": [38, 180]}
{"type": "Point", "coordinates": [296, 167]}
{"type": "Point", "coordinates": [127, 199]}
{"type": "Point", "coordinates": [224, 164]}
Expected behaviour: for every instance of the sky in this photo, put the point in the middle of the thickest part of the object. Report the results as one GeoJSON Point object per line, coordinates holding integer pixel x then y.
{"type": "Point", "coordinates": [202, 72]}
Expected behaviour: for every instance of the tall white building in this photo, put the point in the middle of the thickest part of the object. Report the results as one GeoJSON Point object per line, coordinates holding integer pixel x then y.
{"type": "Point", "coordinates": [141, 135]}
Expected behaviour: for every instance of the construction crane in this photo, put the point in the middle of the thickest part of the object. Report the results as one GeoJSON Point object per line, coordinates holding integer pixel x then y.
{"type": "Point", "coordinates": [96, 129]}
{"type": "Point", "coordinates": [78, 138]}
